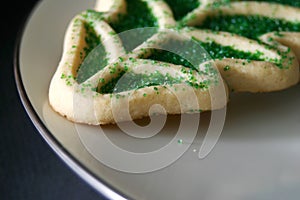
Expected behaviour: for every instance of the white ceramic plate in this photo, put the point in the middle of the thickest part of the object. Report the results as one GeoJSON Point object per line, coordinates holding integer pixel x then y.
{"type": "Point", "coordinates": [256, 157]}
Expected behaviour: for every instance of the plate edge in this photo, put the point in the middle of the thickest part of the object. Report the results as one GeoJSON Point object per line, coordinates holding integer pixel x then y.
{"type": "Point", "coordinates": [99, 185]}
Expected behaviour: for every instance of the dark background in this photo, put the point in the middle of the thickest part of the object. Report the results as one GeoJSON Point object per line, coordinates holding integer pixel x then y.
{"type": "Point", "coordinates": [29, 169]}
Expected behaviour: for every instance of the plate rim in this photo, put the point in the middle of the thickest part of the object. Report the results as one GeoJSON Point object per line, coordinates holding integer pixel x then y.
{"type": "Point", "coordinates": [100, 185]}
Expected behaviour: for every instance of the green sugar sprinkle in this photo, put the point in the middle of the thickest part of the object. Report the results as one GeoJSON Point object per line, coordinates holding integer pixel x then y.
{"type": "Point", "coordinates": [95, 55]}
{"type": "Point", "coordinates": [294, 3]}
{"type": "Point", "coordinates": [92, 39]}
{"type": "Point", "coordinates": [69, 79]}
{"type": "Point", "coordinates": [217, 51]}
{"type": "Point", "coordinates": [138, 16]}
{"type": "Point", "coordinates": [140, 35]}
{"type": "Point", "coordinates": [226, 68]}
{"type": "Point", "coordinates": [219, 3]}
{"type": "Point", "coordinates": [92, 15]}
{"type": "Point", "coordinates": [169, 57]}
{"type": "Point", "coordinates": [187, 53]}
{"type": "Point", "coordinates": [180, 8]}
{"type": "Point", "coordinates": [251, 26]}
{"type": "Point", "coordinates": [133, 81]}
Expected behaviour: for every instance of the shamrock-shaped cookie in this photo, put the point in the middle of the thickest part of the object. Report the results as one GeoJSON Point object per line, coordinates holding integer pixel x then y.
{"type": "Point", "coordinates": [176, 56]}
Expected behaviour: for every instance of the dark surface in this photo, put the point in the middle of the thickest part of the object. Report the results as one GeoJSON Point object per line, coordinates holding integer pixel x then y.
{"type": "Point", "coordinates": [29, 169]}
